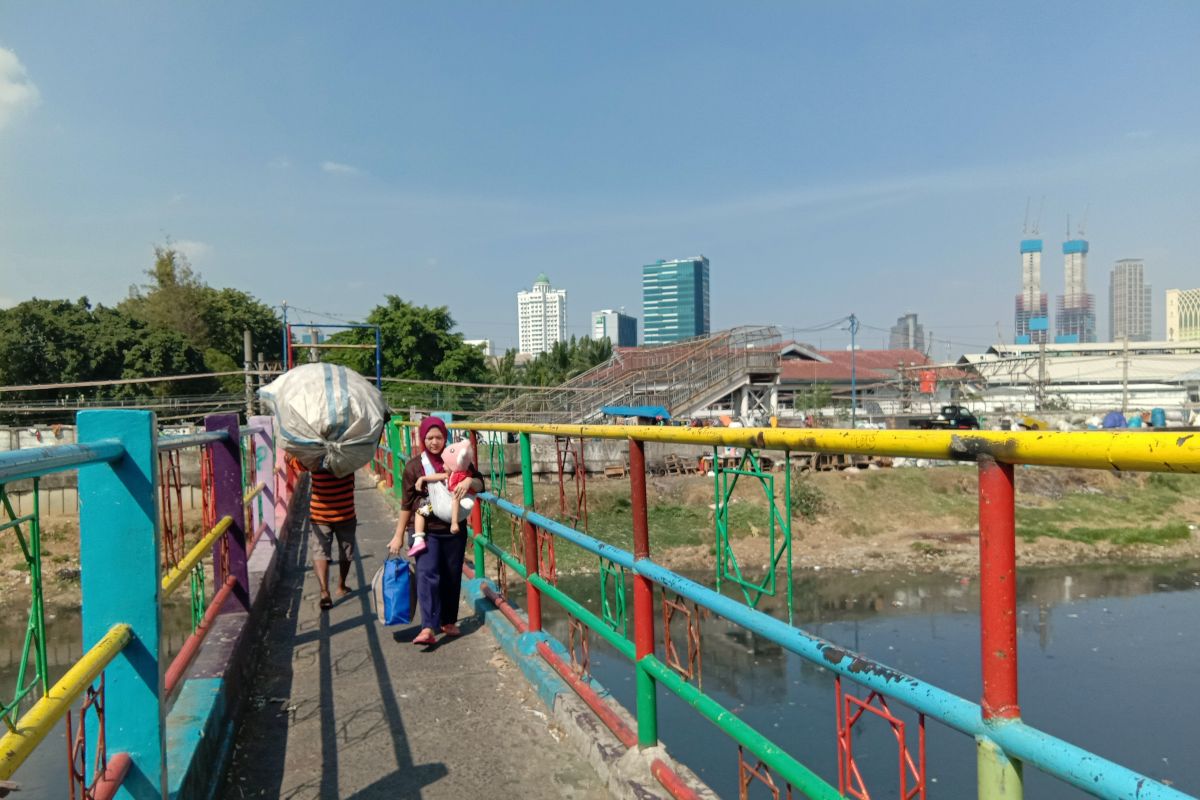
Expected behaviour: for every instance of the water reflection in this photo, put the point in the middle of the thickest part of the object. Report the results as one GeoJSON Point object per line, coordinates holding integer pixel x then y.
{"type": "Point", "coordinates": [1082, 635]}
{"type": "Point", "coordinates": [44, 773]}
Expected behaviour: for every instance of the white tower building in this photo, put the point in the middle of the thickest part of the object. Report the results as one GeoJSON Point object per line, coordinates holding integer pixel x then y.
{"type": "Point", "coordinates": [541, 316]}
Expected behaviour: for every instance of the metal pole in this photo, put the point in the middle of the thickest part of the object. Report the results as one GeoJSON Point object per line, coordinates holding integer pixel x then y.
{"type": "Point", "coordinates": [643, 599]}
{"type": "Point", "coordinates": [247, 361]}
{"type": "Point", "coordinates": [286, 354]}
{"type": "Point", "coordinates": [853, 372]}
{"type": "Point", "coordinates": [532, 593]}
{"type": "Point", "coordinates": [999, 776]}
{"type": "Point", "coordinates": [378, 359]}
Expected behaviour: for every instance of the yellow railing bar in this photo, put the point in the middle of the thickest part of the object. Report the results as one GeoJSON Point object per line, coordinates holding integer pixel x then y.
{"type": "Point", "coordinates": [174, 578]}
{"type": "Point", "coordinates": [1122, 450]}
{"type": "Point", "coordinates": [33, 727]}
{"type": "Point", "coordinates": [253, 493]}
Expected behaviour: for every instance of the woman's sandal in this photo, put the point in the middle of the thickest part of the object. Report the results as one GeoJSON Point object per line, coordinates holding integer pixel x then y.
{"type": "Point", "coordinates": [451, 630]}
{"type": "Point", "coordinates": [425, 637]}
{"type": "Point", "coordinates": [326, 602]}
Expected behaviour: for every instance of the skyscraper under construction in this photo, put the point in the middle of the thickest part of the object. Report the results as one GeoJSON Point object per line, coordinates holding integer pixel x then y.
{"type": "Point", "coordinates": [1032, 318]}
{"type": "Point", "coordinates": [1075, 309]}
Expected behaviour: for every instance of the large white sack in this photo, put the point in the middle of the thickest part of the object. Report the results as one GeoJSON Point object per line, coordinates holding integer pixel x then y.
{"type": "Point", "coordinates": [328, 416]}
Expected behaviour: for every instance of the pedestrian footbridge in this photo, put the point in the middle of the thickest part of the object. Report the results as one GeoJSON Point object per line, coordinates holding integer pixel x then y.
{"type": "Point", "coordinates": [271, 697]}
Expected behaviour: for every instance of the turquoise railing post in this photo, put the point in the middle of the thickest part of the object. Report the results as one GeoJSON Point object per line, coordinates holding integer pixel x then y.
{"type": "Point", "coordinates": [264, 468]}
{"type": "Point", "coordinates": [227, 498]}
{"type": "Point", "coordinates": [119, 557]}
{"type": "Point", "coordinates": [399, 457]}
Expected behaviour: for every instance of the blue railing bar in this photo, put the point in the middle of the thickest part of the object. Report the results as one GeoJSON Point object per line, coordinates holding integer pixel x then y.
{"type": "Point", "coordinates": [181, 441]}
{"type": "Point", "coordinates": [613, 554]}
{"type": "Point", "coordinates": [32, 462]}
{"type": "Point", "coordinates": [250, 430]}
{"type": "Point", "coordinates": [1052, 755]}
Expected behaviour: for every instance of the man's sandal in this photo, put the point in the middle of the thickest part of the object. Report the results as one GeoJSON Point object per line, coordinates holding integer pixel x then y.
{"type": "Point", "coordinates": [326, 602]}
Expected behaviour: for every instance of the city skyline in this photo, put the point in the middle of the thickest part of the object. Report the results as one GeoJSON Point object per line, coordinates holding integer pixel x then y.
{"type": "Point", "coordinates": [330, 158]}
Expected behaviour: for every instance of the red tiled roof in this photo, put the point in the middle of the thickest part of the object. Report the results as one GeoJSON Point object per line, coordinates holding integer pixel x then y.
{"type": "Point", "coordinates": [871, 365]}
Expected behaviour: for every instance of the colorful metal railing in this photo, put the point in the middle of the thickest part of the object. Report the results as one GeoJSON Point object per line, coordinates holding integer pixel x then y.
{"type": "Point", "coordinates": [1004, 742]}
{"type": "Point", "coordinates": [135, 551]}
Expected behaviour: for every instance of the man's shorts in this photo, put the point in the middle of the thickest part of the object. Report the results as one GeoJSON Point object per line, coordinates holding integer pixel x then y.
{"type": "Point", "coordinates": [323, 533]}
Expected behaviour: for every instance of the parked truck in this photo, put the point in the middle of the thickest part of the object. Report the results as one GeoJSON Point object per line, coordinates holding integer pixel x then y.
{"type": "Point", "coordinates": [950, 418]}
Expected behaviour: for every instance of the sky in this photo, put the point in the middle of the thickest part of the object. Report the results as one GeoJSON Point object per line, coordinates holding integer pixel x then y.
{"type": "Point", "coordinates": [872, 158]}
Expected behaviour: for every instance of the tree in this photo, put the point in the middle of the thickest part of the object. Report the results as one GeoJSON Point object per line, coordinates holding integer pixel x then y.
{"type": "Point", "coordinates": [210, 320]}
{"type": "Point", "coordinates": [417, 342]}
{"type": "Point", "coordinates": [173, 300]}
{"type": "Point", "coordinates": [163, 353]}
{"type": "Point", "coordinates": [55, 341]}
{"type": "Point", "coordinates": [565, 360]}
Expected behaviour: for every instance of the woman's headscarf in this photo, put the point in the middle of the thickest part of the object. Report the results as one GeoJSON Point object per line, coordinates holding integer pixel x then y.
{"type": "Point", "coordinates": [428, 424]}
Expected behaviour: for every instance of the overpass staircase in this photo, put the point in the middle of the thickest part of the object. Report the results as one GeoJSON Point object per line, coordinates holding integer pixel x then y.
{"type": "Point", "coordinates": [683, 377]}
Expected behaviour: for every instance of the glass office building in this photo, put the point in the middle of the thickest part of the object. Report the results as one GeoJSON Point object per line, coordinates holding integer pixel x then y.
{"type": "Point", "coordinates": [675, 302]}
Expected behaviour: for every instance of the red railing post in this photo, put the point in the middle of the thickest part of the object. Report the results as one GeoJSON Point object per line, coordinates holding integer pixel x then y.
{"type": "Point", "coordinates": [643, 598]}
{"type": "Point", "coordinates": [997, 589]}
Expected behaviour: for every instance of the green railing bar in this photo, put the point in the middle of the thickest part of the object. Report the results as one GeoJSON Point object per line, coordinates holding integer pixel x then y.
{"type": "Point", "coordinates": [589, 618]}
{"type": "Point", "coordinates": [791, 770]}
{"type": "Point", "coordinates": [15, 523]}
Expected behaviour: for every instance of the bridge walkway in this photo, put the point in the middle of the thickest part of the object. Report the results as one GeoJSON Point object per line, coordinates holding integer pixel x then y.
{"type": "Point", "coordinates": [344, 708]}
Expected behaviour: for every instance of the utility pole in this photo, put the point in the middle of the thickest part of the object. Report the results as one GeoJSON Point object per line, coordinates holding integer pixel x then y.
{"type": "Point", "coordinates": [1039, 396]}
{"type": "Point", "coordinates": [853, 372]}
{"type": "Point", "coordinates": [1125, 377]}
{"type": "Point", "coordinates": [248, 356]}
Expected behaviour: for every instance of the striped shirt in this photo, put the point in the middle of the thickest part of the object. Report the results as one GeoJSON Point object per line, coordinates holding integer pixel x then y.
{"type": "Point", "coordinates": [332, 498]}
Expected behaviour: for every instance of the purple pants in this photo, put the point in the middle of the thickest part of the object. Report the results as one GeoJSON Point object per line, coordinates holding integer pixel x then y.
{"type": "Point", "coordinates": [439, 579]}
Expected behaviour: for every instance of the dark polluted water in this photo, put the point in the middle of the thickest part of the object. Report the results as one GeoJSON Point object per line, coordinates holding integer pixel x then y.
{"type": "Point", "coordinates": [45, 773]}
{"type": "Point", "coordinates": [1108, 661]}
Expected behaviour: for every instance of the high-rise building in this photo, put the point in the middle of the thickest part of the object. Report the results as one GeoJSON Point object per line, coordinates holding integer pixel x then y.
{"type": "Point", "coordinates": [1183, 315]}
{"type": "Point", "coordinates": [675, 300]}
{"type": "Point", "coordinates": [907, 334]}
{"type": "Point", "coordinates": [1075, 311]}
{"type": "Point", "coordinates": [542, 317]}
{"type": "Point", "coordinates": [618, 328]}
{"type": "Point", "coordinates": [1128, 302]}
{"type": "Point", "coordinates": [1032, 318]}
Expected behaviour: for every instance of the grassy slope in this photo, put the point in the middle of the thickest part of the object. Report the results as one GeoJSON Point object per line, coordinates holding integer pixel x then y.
{"type": "Point", "coordinates": [1072, 505]}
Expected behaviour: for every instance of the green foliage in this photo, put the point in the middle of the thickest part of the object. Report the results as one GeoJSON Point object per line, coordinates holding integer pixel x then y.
{"type": "Point", "coordinates": [1166, 534]}
{"type": "Point", "coordinates": [163, 352]}
{"type": "Point", "coordinates": [173, 325]}
{"type": "Point", "coordinates": [46, 341]}
{"type": "Point", "coordinates": [210, 320]}
{"type": "Point", "coordinates": [173, 300]}
{"type": "Point", "coordinates": [417, 343]}
{"type": "Point", "coordinates": [808, 501]}
{"type": "Point", "coordinates": [563, 361]}
{"type": "Point", "coordinates": [817, 397]}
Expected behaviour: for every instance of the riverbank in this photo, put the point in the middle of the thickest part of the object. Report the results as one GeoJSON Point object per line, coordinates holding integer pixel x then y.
{"type": "Point", "coordinates": [922, 519]}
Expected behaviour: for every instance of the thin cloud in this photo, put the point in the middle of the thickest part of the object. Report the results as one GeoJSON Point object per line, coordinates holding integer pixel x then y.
{"type": "Point", "coordinates": [337, 168]}
{"type": "Point", "coordinates": [192, 249]}
{"type": "Point", "coordinates": [279, 162]}
{"type": "Point", "coordinates": [18, 94]}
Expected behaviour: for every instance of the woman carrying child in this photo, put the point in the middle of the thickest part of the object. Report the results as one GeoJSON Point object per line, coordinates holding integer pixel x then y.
{"type": "Point", "coordinates": [439, 566]}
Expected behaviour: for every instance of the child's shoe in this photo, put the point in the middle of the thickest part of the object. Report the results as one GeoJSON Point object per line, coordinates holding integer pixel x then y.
{"type": "Point", "coordinates": [418, 547]}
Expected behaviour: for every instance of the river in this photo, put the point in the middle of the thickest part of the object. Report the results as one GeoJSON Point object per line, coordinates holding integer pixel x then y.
{"type": "Point", "coordinates": [1108, 661]}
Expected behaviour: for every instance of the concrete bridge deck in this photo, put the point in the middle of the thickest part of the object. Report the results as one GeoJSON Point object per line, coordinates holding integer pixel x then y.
{"type": "Point", "coordinates": [344, 708]}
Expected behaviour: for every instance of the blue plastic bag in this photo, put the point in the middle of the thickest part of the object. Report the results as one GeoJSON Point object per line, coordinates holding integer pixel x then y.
{"type": "Point", "coordinates": [392, 591]}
